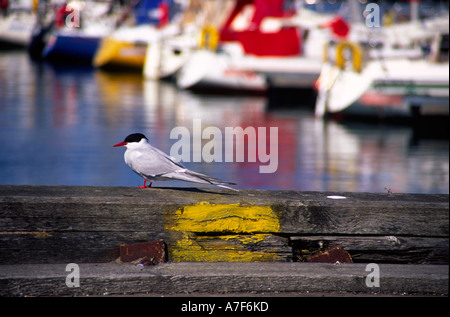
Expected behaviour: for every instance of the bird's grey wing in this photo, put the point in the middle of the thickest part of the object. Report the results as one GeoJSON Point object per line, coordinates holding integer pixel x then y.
{"type": "Point", "coordinates": [151, 162]}
{"type": "Point", "coordinates": [154, 163]}
{"type": "Point", "coordinates": [179, 172]}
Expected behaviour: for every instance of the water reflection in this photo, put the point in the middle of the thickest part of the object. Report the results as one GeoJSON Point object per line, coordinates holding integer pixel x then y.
{"type": "Point", "coordinates": [57, 126]}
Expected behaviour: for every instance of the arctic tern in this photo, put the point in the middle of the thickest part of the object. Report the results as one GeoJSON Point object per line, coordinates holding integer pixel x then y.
{"type": "Point", "coordinates": [154, 165]}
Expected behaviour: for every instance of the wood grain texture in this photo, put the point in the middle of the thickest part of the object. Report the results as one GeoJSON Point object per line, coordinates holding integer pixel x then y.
{"type": "Point", "coordinates": [62, 224]}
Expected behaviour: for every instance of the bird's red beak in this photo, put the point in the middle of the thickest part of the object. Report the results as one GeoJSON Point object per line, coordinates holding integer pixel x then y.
{"type": "Point", "coordinates": [120, 144]}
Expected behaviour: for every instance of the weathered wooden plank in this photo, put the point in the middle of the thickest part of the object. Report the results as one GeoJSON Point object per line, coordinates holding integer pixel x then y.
{"type": "Point", "coordinates": [229, 248]}
{"type": "Point", "coordinates": [364, 217]}
{"type": "Point", "coordinates": [113, 208]}
{"type": "Point", "coordinates": [292, 220]}
{"type": "Point", "coordinates": [93, 247]}
{"type": "Point", "coordinates": [379, 249]}
{"type": "Point", "coordinates": [50, 224]}
{"type": "Point", "coordinates": [65, 247]}
{"type": "Point", "coordinates": [223, 278]}
{"type": "Point", "coordinates": [45, 215]}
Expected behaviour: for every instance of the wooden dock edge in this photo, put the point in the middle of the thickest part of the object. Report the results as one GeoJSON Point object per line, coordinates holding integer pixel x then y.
{"type": "Point", "coordinates": [220, 241]}
{"type": "Point", "coordinates": [230, 279]}
{"type": "Point", "coordinates": [63, 224]}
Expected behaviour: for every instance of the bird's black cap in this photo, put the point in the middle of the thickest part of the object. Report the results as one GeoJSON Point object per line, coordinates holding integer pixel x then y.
{"type": "Point", "coordinates": [135, 137]}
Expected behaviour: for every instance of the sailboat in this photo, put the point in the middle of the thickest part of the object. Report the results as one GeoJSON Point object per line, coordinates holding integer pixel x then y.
{"type": "Point", "coordinates": [166, 55]}
{"type": "Point", "coordinates": [125, 48]}
{"type": "Point", "coordinates": [16, 27]}
{"type": "Point", "coordinates": [394, 86]}
{"type": "Point", "coordinates": [229, 56]}
{"type": "Point", "coordinates": [77, 37]}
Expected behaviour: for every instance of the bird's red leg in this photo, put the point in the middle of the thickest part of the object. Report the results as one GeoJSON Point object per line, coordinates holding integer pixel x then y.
{"type": "Point", "coordinates": [145, 181]}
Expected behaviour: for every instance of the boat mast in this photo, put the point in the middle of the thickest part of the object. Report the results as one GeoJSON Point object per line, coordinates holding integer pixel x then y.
{"type": "Point", "coordinates": [414, 10]}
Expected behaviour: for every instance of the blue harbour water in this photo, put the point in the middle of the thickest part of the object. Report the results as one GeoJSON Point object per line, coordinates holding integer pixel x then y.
{"type": "Point", "coordinates": [58, 125]}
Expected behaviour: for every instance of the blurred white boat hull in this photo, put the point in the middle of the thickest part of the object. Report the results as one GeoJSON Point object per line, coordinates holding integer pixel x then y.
{"type": "Point", "coordinates": [385, 88]}
{"type": "Point", "coordinates": [206, 69]}
{"type": "Point", "coordinates": [16, 29]}
{"type": "Point", "coordinates": [166, 56]}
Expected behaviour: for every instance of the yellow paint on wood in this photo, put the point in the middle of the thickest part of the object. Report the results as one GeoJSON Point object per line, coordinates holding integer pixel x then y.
{"type": "Point", "coordinates": [227, 218]}
{"type": "Point", "coordinates": [198, 249]}
{"type": "Point", "coordinates": [36, 234]}
{"type": "Point", "coordinates": [237, 227]}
